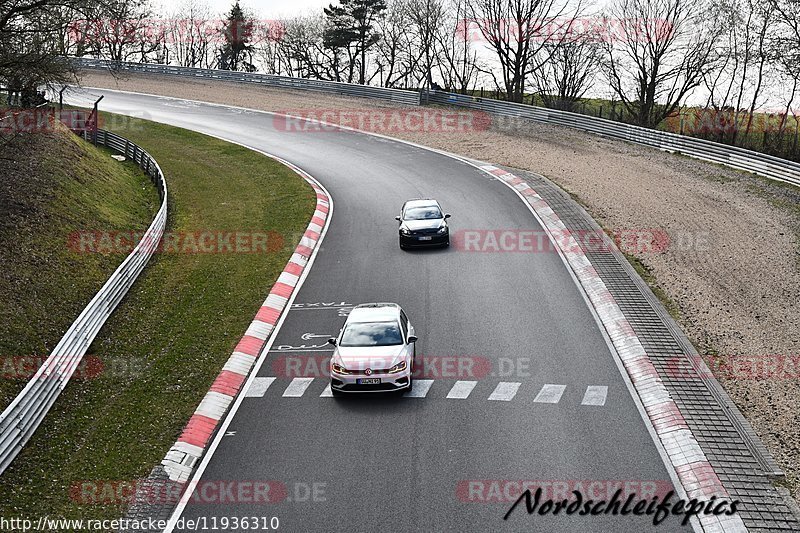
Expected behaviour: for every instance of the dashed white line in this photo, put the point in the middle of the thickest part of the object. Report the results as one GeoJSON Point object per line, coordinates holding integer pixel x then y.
{"type": "Point", "coordinates": [259, 387]}
{"type": "Point", "coordinates": [297, 387]}
{"type": "Point", "coordinates": [505, 391]}
{"type": "Point", "coordinates": [419, 388]}
{"type": "Point", "coordinates": [461, 390]}
{"type": "Point", "coordinates": [595, 395]}
{"type": "Point", "coordinates": [550, 394]}
{"type": "Point", "coordinates": [327, 393]}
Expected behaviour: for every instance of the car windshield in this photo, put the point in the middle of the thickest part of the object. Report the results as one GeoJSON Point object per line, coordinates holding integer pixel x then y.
{"type": "Point", "coordinates": [428, 212]}
{"type": "Point", "coordinates": [371, 334]}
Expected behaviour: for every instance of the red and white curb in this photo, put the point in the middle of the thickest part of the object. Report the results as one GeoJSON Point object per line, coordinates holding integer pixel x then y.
{"type": "Point", "coordinates": [182, 457]}
{"type": "Point", "coordinates": [696, 474]}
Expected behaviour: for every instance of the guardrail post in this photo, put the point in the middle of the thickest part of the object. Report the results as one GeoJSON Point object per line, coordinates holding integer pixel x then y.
{"type": "Point", "coordinates": [94, 116]}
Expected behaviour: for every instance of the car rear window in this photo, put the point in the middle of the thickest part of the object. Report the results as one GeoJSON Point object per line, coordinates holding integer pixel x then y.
{"type": "Point", "coordinates": [423, 213]}
{"type": "Point", "coordinates": [371, 334]}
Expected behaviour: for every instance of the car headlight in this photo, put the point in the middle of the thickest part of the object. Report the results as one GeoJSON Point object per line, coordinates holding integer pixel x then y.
{"type": "Point", "coordinates": [405, 231]}
{"type": "Point", "coordinates": [399, 367]}
{"type": "Point", "coordinates": [442, 230]}
{"type": "Point", "coordinates": [339, 369]}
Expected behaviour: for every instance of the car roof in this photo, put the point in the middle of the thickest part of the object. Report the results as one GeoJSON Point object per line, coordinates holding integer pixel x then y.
{"type": "Point", "coordinates": [421, 202]}
{"type": "Point", "coordinates": [374, 312]}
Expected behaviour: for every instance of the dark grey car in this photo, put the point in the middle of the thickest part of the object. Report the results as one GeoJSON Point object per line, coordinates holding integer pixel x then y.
{"type": "Point", "coordinates": [423, 223]}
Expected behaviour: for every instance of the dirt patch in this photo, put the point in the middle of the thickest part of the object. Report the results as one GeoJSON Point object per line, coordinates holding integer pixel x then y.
{"type": "Point", "coordinates": [732, 268]}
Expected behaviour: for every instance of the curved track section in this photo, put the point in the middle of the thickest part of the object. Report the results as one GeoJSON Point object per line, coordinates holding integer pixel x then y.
{"type": "Point", "coordinates": [424, 463]}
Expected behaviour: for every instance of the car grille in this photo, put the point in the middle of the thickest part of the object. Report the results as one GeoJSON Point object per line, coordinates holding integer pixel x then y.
{"type": "Point", "coordinates": [374, 371]}
{"type": "Point", "coordinates": [426, 231]}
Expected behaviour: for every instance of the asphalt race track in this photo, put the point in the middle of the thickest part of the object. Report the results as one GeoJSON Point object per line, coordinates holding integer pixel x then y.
{"type": "Point", "coordinates": [378, 463]}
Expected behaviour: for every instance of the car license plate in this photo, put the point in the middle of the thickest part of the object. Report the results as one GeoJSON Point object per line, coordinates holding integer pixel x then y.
{"type": "Point", "coordinates": [368, 381]}
{"type": "Point", "coordinates": [425, 238]}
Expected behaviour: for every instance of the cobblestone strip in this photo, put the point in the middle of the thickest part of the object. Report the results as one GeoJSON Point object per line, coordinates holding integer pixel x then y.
{"type": "Point", "coordinates": [727, 441]}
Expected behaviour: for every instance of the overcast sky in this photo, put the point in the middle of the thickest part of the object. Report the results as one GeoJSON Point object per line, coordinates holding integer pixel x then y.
{"type": "Point", "coordinates": [263, 8]}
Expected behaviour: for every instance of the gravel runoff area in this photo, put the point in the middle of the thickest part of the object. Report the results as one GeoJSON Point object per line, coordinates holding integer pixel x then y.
{"type": "Point", "coordinates": [731, 271]}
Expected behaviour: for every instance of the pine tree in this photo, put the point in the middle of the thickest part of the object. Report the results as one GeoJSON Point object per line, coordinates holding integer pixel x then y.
{"type": "Point", "coordinates": [350, 27]}
{"type": "Point", "coordinates": [236, 52]}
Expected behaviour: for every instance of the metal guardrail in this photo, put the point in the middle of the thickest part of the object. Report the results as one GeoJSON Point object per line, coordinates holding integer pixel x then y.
{"type": "Point", "coordinates": [25, 413]}
{"type": "Point", "coordinates": [732, 156]}
{"type": "Point", "coordinates": [269, 80]}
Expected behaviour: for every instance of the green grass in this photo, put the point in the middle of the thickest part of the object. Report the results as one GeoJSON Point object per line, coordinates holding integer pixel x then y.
{"type": "Point", "coordinates": [175, 329]}
{"type": "Point", "coordinates": [55, 185]}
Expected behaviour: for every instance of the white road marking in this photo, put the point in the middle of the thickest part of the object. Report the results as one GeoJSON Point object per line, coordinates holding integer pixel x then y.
{"type": "Point", "coordinates": [327, 393]}
{"type": "Point", "coordinates": [550, 394]}
{"type": "Point", "coordinates": [419, 388]}
{"type": "Point", "coordinates": [259, 387]}
{"type": "Point", "coordinates": [595, 395]}
{"type": "Point", "coordinates": [505, 391]}
{"type": "Point", "coordinates": [297, 387]}
{"type": "Point", "coordinates": [309, 336]}
{"type": "Point", "coordinates": [461, 390]}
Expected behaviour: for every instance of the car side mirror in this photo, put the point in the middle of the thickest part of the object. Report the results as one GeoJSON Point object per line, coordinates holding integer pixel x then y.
{"type": "Point", "coordinates": [447, 215]}
{"type": "Point", "coordinates": [412, 338]}
{"type": "Point", "coordinates": [332, 341]}
{"type": "Point", "coordinates": [397, 218]}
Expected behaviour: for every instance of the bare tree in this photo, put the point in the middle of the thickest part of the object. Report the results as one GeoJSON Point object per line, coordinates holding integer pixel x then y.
{"type": "Point", "coordinates": [301, 52]}
{"type": "Point", "coordinates": [656, 53]}
{"type": "Point", "coordinates": [189, 34]}
{"type": "Point", "coordinates": [398, 53]}
{"type": "Point", "coordinates": [124, 30]}
{"type": "Point", "coordinates": [764, 19]}
{"type": "Point", "coordinates": [267, 39]}
{"type": "Point", "coordinates": [523, 34]}
{"type": "Point", "coordinates": [787, 41]}
{"type": "Point", "coordinates": [720, 81]}
{"type": "Point", "coordinates": [571, 70]}
{"type": "Point", "coordinates": [31, 42]}
{"type": "Point", "coordinates": [458, 60]}
{"type": "Point", "coordinates": [427, 17]}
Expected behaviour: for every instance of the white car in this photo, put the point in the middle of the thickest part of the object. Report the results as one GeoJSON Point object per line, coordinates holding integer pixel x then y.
{"type": "Point", "coordinates": [374, 350]}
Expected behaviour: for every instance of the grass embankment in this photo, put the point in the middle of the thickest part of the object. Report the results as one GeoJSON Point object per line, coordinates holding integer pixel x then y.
{"type": "Point", "coordinates": [54, 184]}
{"type": "Point", "coordinates": [176, 328]}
